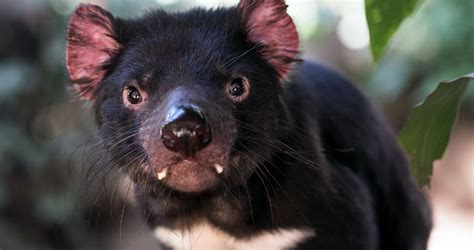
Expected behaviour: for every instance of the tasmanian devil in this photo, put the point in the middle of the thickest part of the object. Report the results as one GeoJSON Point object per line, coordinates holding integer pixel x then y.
{"type": "Point", "coordinates": [232, 142]}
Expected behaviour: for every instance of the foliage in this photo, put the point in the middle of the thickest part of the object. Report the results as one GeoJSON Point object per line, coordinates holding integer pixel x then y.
{"type": "Point", "coordinates": [384, 17]}
{"type": "Point", "coordinates": [426, 133]}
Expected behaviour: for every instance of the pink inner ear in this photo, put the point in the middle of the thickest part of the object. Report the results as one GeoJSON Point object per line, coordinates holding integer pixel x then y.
{"type": "Point", "coordinates": [90, 46]}
{"type": "Point", "coordinates": [268, 24]}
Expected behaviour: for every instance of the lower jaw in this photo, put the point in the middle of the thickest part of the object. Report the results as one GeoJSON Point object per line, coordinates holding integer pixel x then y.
{"type": "Point", "coordinates": [190, 178]}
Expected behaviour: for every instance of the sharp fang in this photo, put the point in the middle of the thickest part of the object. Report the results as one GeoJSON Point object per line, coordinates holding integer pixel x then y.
{"type": "Point", "coordinates": [218, 168]}
{"type": "Point", "coordinates": [161, 175]}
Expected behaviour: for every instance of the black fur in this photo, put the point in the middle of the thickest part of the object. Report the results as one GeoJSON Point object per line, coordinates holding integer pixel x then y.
{"type": "Point", "coordinates": [310, 151]}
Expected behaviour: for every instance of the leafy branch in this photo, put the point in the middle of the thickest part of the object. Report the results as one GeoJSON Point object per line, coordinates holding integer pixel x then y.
{"type": "Point", "coordinates": [426, 133]}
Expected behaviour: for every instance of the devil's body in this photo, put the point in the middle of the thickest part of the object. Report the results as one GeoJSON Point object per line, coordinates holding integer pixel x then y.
{"type": "Point", "coordinates": [338, 170]}
{"type": "Point", "coordinates": [218, 123]}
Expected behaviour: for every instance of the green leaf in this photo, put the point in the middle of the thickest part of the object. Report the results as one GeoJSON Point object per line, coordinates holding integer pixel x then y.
{"type": "Point", "coordinates": [383, 18]}
{"type": "Point", "coordinates": [425, 136]}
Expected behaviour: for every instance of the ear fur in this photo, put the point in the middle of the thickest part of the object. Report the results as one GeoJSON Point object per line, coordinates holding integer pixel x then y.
{"type": "Point", "coordinates": [91, 45]}
{"type": "Point", "coordinates": [269, 25]}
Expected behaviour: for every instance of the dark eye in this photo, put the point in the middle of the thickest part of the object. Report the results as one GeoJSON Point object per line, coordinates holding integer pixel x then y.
{"type": "Point", "coordinates": [133, 95]}
{"type": "Point", "coordinates": [238, 88]}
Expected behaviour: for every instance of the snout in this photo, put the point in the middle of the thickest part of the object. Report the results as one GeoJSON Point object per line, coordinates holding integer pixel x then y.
{"type": "Point", "coordinates": [187, 141]}
{"type": "Point", "coordinates": [186, 130]}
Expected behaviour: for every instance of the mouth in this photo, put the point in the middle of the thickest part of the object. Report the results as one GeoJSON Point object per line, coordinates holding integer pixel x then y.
{"type": "Point", "coordinates": [163, 173]}
{"type": "Point", "coordinates": [191, 176]}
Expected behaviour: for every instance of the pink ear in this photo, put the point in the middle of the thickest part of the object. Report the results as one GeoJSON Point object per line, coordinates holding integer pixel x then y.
{"type": "Point", "coordinates": [270, 26]}
{"type": "Point", "coordinates": [91, 44]}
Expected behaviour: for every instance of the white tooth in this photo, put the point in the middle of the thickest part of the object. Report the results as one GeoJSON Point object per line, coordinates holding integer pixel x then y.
{"type": "Point", "coordinates": [161, 175]}
{"type": "Point", "coordinates": [218, 168]}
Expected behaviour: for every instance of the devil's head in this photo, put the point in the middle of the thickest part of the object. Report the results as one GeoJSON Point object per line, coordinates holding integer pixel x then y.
{"type": "Point", "coordinates": [191, 101]}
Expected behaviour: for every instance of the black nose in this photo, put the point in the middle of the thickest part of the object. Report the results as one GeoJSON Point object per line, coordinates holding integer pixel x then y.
{"type": "Point", "coordinates": [186, 131]}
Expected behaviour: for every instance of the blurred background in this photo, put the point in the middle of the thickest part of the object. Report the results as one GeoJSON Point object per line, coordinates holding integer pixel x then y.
{"type": "Point", "coordinates": [54, 192]}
